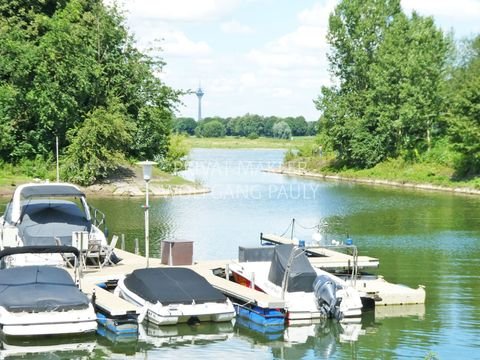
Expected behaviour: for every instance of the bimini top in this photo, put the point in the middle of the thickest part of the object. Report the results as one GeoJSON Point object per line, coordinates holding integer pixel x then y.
{"type": "Point", "coordinates": [41, 190]}
{"type": "Point", "coordinates": [301, 274]}
{"type": "Point", "coordinates": [39, 289]}
{"type": "Point", "coordinates": [172, 286]}
{"type": "Point", "coordinates": [27, 192]}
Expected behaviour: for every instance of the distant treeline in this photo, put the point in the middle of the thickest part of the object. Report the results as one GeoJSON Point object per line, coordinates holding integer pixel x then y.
{"type": "Point", "coordinates": [249, 125]}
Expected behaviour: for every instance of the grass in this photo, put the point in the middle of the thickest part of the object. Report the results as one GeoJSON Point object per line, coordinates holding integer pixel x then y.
{"type": "Point", "coordinates": [396, 170]}
{"type": "Point", "coordinates": [231, 142]}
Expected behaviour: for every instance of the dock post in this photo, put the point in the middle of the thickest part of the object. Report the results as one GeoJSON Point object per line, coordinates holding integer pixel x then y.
{"type": "Point", "coordinates": [136, 246]}
{"type": "Point", "coordinates": [227, 272]}
{"type": "Point", "coordinates": [122, 244]}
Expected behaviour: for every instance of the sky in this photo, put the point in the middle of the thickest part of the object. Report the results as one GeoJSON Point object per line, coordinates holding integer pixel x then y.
{"type": "Point", "coordinates": [265, 57]}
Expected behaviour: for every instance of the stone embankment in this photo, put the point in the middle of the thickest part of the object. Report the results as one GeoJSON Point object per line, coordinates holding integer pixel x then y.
{"type": "Point", "coordinates": [305, 173]}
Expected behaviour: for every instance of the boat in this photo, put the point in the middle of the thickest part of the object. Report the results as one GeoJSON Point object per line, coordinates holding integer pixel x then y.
{"type": "Point", "coordinates": [284, 271]}
{"type": "Point", "coordinates": [41, 299]}
{"type": "Point", "coordinates": [47, 214]}
{"type": "Point", "coordinates": [171, 295]}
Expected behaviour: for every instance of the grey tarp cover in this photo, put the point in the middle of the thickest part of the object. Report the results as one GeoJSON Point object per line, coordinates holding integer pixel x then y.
{"type": "Point", "coordinates": [301, 275]}
{"type": "Point", "coordinates": [39, 289]}
{"type": "Point", "coordinates": [172, 286]}
{"type": "Point", "coordinates": [50, 190]}
{"type": "Point", "coordinates": [43, 220]}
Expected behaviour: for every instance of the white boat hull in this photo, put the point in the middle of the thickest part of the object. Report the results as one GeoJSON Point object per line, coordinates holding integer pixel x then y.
{"type": "Point", "coordinates": [48, 323]}
{"type": "Point", "coordinates": [172, 314]}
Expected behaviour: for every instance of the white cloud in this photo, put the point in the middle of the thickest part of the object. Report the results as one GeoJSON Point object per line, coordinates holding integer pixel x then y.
{"type": "Point", "coordinates": [459, 9]}
{"type": "Point", "coordinates": [176, 43]}
{"type": "Point", "coordinates": [235, 27]}
{"type": "Point", "coordinates": [318, 14]}
{"type": "Point", "coordinates": [180, 10]}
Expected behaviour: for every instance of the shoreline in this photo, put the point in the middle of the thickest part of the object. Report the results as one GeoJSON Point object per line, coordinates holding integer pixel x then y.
{"type": "Point", "coordinates": [131, 188]}
{"type": "Point", "coordinates": [409, 185]}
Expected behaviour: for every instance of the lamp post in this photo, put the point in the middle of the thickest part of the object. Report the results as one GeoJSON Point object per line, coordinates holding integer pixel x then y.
{"type": "Point", "coordinates": [147, 175]}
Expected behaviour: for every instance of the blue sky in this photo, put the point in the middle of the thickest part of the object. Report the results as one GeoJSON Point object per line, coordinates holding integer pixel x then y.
{"type": "Point", "coordinates": [265, 57]}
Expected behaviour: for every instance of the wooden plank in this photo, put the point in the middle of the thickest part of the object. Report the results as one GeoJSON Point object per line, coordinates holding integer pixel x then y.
{"type": "Point", "coordinates": [235, 290]}
{"type": "Point", "coordinates": [110, 303]}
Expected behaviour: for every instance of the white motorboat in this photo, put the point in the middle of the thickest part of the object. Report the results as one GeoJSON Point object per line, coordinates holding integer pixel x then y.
{"type": "Point", "coordinates": [50, 214]}
{"type": "Point", "coordinates": [174, 295]}
{"type": "Point", "coordinates": [284, 272]}
{"type": "Point", "coordinates": [42, 300]}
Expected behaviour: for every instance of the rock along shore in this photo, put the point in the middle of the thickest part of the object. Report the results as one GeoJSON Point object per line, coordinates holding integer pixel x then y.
{"type": "Point", "coordinates": [430, 187]}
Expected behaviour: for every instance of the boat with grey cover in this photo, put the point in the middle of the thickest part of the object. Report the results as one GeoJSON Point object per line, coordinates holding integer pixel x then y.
{"type": "Point", "coordinates": [50, 214]}
{"type": "Point", "coordinates": [42, 300]}
{"type": "Point", "coordinates": [171, 295]}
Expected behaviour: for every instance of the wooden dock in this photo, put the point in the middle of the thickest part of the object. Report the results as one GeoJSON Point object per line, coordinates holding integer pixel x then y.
{"type": "Point", "coordinates": [327, 258]}
{"type": "Point", "coordinates": [377, 288]}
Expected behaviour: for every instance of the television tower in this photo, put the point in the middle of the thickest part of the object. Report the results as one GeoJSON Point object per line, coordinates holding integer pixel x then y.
{"type": "Point", "coordinates": [199, 94]}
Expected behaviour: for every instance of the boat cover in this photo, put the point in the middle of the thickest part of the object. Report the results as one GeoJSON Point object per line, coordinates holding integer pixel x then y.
{"type": "Point", "coordinates": [42, 221]}
{"type": "Point", "coordinates": [39, 289]}
{"type": "Point", "coordinates": [50, 190]}
{"type": "Point", "coordinates": [172, 286]}
{"type": "Point", "coordinates": [301, 275]}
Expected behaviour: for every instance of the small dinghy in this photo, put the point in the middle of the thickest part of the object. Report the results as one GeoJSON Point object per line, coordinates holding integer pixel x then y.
{"type": "Point", "coordinates": [174, 295]}
{"type": "Point", "coordinates": [42, 300]}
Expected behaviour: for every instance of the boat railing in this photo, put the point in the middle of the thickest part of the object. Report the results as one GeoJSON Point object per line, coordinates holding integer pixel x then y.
{"type": "Point", "coordinates": [98, 219]}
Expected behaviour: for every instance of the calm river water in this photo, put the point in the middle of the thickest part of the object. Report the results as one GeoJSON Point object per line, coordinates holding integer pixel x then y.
{"type": "Point", "coordinates": [420, 237]}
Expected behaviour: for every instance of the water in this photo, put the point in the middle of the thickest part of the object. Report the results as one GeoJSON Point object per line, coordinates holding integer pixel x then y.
{"type": "Point", "coordinates": [420, 237]}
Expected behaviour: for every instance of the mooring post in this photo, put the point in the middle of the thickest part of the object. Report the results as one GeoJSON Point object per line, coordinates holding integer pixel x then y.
{"type": "Point", "coordinates": [136, 246]}
{"type": "Point", "coordinates": [122, 243]}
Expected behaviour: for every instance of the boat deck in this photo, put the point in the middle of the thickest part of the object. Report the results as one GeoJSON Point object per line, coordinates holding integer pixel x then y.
{"type": "Point", "coordinates": [384, 292]}
{"type": "Point", "coordinates": [326, 258]}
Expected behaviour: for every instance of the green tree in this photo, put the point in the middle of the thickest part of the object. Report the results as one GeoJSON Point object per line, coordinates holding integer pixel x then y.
{"type": "Point", "coordinates": [185, 125]}
{"type": "Point", "coordinates": [212, 128]}
{"type": "Point", "coordinates": [464, 110]}
{"type": "Point", "coordinates": [60, 62]}
{"type": "Point", "coordinates": [282, 130]}
{"type": "Point", "coordinates": [389, 68]}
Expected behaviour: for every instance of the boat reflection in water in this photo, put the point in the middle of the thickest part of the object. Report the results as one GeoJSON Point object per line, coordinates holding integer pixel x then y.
{"type": "Point", "coordinates": [322, 336]}
{"type": "Point", "coordinates": [199, 334]}
{"type": "Point", "coordinates": [65, 347]}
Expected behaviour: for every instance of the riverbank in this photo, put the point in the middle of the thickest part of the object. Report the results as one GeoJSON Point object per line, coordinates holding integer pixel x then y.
{"type": "Point", "coordinates": [232, 142]}
{"type": "Point", "coordinates": [126, 182]}
{"type": "Point", "coordinates": [405, 184]}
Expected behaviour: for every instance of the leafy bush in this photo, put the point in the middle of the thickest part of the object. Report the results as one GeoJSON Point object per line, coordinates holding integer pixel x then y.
{"type": "Point", "coordinates": [211, 129]}
{"type": "Point", "coordinates": [252, 136]}
{"type": "Point", "coordinates": [176, 158]}
{"type": "Point", "coordinates": [96, 147]}
{"type": "Point", "coordinates": [282, 130]}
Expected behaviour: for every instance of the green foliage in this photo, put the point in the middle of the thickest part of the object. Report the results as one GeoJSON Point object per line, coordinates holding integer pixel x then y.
{"type": "Point", "coordinates": [64, 62]}
{"type": "Point", "coordinates": [185, 125]}
{"type": "Point", "coordinates": [252, 136]}
{"type": "Point", "coordinates": [387, 101]}
{"type": "Point", "coordinates": [464, 114]}
{"type": "Point", "coordinates": [213, 128]}
{"type": "Point", "coordinates": [176, 159]}
{"type": "Point", "coordinates": [281, 130]}
{"type": "Point", "coordinates": [96, 146]}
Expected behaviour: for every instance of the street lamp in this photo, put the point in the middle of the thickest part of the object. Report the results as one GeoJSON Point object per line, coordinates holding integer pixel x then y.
{"type": "Point", "coordinates": [147, 175]}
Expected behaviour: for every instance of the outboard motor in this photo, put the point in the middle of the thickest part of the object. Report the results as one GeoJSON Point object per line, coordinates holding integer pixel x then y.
{"type": "Point", "coordinates": [325, 292]}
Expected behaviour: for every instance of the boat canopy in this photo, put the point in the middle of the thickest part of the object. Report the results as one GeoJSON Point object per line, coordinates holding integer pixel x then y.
{"type": "Point", "coordinates": [39, 289]}
{"type": "Point", "coordinates": [300, 274]}
{"type": "Point", "coordinates": [42, 222]}
{"type": "Point", "coordinates": [47, 190]}
{"type": "Point", "coordinates": [172, 286]}
{"type": "Point", "coordinates": [39, 250]}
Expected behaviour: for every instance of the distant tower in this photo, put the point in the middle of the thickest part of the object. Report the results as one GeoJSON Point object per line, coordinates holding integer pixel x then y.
{"type": "Point", "coordinates": [199, 94]}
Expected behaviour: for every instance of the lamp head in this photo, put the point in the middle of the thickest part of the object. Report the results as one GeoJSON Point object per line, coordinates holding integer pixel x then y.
{"type": "Point", "coordinates": [147, 169]}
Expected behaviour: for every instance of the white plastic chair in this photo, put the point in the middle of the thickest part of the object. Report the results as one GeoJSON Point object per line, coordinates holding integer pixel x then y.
{"type": "Point", "coordinates": [109, 251]}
